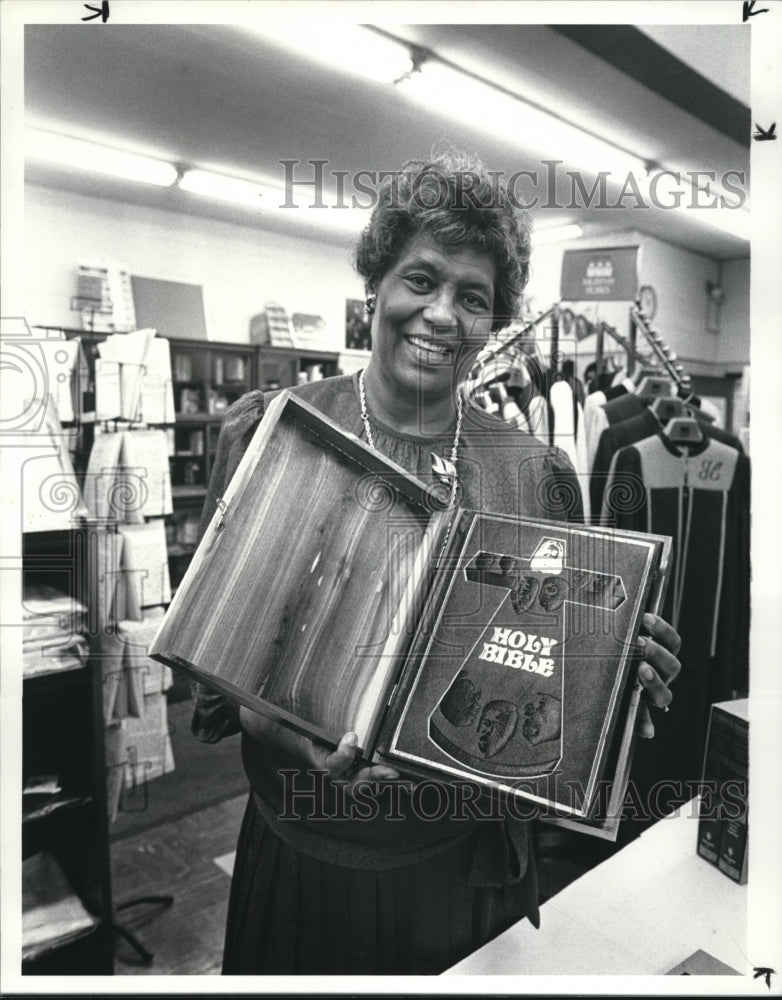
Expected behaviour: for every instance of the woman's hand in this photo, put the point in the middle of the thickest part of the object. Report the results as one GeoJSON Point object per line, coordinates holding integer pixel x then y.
{"type": "Point", "coordinates": [658, 668]}
{"type": "Point", "coordinates": [339, 764]}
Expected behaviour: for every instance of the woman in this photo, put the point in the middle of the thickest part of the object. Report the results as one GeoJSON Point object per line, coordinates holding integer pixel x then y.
{"type": "Point", "coordinates": [319, 887]}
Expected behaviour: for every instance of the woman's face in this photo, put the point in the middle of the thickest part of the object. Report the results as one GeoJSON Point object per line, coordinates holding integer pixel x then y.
{"type": "Point", "coordinates": [434, 306]}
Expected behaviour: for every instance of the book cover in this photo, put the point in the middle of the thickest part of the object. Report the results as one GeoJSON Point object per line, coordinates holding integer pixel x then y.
{"type": "Point", "coordinates": [524, 678]}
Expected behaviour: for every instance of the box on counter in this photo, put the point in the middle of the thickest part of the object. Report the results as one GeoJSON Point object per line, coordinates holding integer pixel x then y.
{"type": "Point", "coordinates": [723, 811]}
{"type": "Point", "coordinates": [456, 643]}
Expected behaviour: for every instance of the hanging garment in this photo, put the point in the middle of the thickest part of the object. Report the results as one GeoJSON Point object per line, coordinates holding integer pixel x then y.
{"type": "Point", "coordinates": [700, 499]}
{"type": "Point", "coordinates": [619, 435]}
{"type": "Point", "coordinates": [566, 431]}
{"type": "Point", "coordinates": [594, 423]}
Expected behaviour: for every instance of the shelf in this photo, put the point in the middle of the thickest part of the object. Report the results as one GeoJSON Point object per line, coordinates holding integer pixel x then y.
{"type": "Point", "coordinates": [46, 805]}
{"type": "Point", "coordinates": [178, 549]}
{"type": "Point", "coordinates": [180, 492]}
{"type": "Point", "coordinates": [198, 418]}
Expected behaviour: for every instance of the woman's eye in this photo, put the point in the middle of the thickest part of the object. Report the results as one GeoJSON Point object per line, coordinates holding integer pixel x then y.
{"type": "Point", "coordinates": [420, 281]}
{"type": "Point", "coordinates": [475, 301]}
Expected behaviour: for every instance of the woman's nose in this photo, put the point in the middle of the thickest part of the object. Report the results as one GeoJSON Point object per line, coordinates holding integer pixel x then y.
{"type": "Point", "coordinates": [440, 310]}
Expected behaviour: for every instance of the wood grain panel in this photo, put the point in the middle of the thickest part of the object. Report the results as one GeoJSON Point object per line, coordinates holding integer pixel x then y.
{"type": "Point", "coordinates": [303, 601]}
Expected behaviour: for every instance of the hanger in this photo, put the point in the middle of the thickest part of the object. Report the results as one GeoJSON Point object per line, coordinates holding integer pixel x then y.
{"type": "Point", "coordinates": [684, 429]}
{"type": "Point", "coordinates": [665, 408]}
{"type": "Point", "coordinates": [651, 387]}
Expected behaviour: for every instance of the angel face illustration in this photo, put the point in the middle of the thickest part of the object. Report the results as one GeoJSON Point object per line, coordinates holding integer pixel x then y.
{"type": "Point", "coordinates": [523, 592]}
{"type": "Point", "coordinates": [461, 702]}
{"type": "Point", "coordinates": [552, 593]}
{"type": "Point", "coordinates": [542, 719]}
{"type": "Point", "coordinates": [497, 725]}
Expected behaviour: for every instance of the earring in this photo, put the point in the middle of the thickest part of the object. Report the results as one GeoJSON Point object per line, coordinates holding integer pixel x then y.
{"type": "Point", "coordinates": [369, 305]}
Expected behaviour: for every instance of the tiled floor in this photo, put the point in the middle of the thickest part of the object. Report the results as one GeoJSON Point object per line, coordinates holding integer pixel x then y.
{"type": "Point", "coordinates": [192, 857]}
{"type": "Point", "coordinates": [188, 858]}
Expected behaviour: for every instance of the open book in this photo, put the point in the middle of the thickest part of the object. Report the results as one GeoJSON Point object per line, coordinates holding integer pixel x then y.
{"type": "Point", "coordinates": [334, 593]}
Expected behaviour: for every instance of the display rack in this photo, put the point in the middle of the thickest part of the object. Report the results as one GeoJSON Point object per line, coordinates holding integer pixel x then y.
{"type": "Point", "coordinates": [62, 737]}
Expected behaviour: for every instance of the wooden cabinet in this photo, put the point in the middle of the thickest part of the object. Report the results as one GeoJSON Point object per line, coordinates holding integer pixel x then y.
{"type": "Point", "coordinates": [283, 367]}
{"type": "Point", "coordinates": [62, 739]}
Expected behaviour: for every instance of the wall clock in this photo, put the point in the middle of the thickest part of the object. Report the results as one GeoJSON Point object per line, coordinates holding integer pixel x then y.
{"type": "Point", "coordinates": [647, 298]}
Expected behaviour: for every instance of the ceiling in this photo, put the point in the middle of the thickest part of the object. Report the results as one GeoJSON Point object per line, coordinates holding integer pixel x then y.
{"type": "Point", "coordinates": [219, 97]}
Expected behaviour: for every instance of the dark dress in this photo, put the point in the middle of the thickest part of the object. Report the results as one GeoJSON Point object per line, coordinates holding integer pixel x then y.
{"type": "Point", "coordinates": [328, 889]}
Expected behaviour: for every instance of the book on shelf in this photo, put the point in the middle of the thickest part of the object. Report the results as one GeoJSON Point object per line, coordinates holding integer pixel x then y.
{"type": "Point", "coordinates": [273, 326]}
{"type": "Point", "coordinates": [120, 371]}
{"type": "Point", "coordinates": [723, 821]}
{"type": "Point", "coordinates": [39, 474]}
{"type": "Point", "coordinates": [454, 642]}
{"type": "Point", "coordinates": [128, 475]}
{"type": "Point", "coordinates": [52, 913]}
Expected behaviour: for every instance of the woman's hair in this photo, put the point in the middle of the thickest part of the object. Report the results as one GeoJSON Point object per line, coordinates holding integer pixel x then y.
{"type": "Point", "coordinates": [454, 199]}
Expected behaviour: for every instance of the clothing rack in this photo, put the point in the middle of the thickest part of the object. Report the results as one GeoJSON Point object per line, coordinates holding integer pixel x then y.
{"type": "Point", "coordinates": [667, 358]}
{"type": "Point", "coordinates": [624, 342]}
{"type": "Point", "coordinates": [494, 352]}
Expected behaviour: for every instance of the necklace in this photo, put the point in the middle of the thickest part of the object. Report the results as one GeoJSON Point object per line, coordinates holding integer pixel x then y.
{"type": "Point", "coordinates": [443, 468]}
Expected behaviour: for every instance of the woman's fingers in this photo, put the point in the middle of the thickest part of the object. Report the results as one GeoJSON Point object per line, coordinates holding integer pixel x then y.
{"type": "Point", "coordinates": [663, 633]}
{"type": "Point", "coordinates": [656, 690]}
{"type": "Point", "coordinates": [336, 762]}
{"type": "Point", "coordinates": [644, 726]}
{"type": "Point", "coordinates": [660, 659]}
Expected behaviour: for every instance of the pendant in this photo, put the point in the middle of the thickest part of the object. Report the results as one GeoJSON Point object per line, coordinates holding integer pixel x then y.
{"type": "Point", "coordinates": [443, 470]}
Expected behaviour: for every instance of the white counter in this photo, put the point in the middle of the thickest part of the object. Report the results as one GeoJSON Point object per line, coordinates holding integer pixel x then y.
{"type": "Point", "coordinates": [642, 912]}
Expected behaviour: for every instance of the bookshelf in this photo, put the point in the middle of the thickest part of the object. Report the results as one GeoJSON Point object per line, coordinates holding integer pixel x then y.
{"type": "Point", "coordinates": [65, 832]}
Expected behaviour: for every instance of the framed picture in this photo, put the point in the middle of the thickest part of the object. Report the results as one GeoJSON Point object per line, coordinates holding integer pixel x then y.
{"type": "Point", "coordinates": [358, 335]}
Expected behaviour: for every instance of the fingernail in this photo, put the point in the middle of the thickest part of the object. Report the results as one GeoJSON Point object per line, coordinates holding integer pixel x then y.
{"type": "Point", "coordinates": [351, 739]}
{"type": "Point", "coordinates": [641, 645]}
{"type": "Point", "coordinates": [646, 672]}
{"type": "Point", "coordinates": [649, 620]}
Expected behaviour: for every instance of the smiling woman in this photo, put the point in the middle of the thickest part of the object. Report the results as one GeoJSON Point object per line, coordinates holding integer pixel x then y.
{"type": "Point", "coordinates": [338, 869]}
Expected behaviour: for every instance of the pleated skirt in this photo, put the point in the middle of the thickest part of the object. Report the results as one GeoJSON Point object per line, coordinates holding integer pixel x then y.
{"type": "Point", "coordinates": [291, 914]}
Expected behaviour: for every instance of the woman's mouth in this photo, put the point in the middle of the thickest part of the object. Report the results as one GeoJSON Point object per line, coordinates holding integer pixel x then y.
{"type": "Point", "coordinates": [430, 350]}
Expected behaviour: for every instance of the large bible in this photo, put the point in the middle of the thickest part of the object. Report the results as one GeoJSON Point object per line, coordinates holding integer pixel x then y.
{"type": "Point", "coordinates": [335, 592]}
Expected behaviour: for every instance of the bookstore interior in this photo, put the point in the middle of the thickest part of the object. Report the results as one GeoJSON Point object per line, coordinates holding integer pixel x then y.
{"type": "Point", "coordinates": [193, 195]}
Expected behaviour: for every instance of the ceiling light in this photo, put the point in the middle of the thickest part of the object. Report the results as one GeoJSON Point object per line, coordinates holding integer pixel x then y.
{"type": "Point", "coordinates": [270, 199]}
{"type": "Point", "coordinates": [66, 151]}
{"type": "Point", "coordinates": [449, 91]}
{"type": "Point", "coordinates": [232, 189]}
{"type": "Point", "coordinates": [556, 234]}
{"type": "Point", "coordinates": [346, 47]}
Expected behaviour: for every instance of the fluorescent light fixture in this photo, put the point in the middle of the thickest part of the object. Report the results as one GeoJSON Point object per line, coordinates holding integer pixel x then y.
{"type": "Point", "coordinates": [556, 234]}
{"type": "Point", "coordinates": [231, 189]}
{"type": "Point", "coordinates": [66, 151]}
{"type": "Point", "coordinates": [269, 199]}
{"type": "Point", "coordinates": [346, 47]}
{"type": "Point", "coordinates": [448, 91]}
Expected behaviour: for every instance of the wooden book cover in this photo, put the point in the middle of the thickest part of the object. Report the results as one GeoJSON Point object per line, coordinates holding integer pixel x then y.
{"type": "Point", "coordinates": [303, 594]}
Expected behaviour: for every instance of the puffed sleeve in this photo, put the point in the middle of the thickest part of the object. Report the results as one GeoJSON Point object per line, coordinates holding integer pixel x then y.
{"type": "Point", "coordinates": [215, 715]}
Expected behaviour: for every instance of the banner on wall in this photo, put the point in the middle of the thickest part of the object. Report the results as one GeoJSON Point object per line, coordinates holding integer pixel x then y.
{"type": "Point", "coordinates": [606, 274]}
